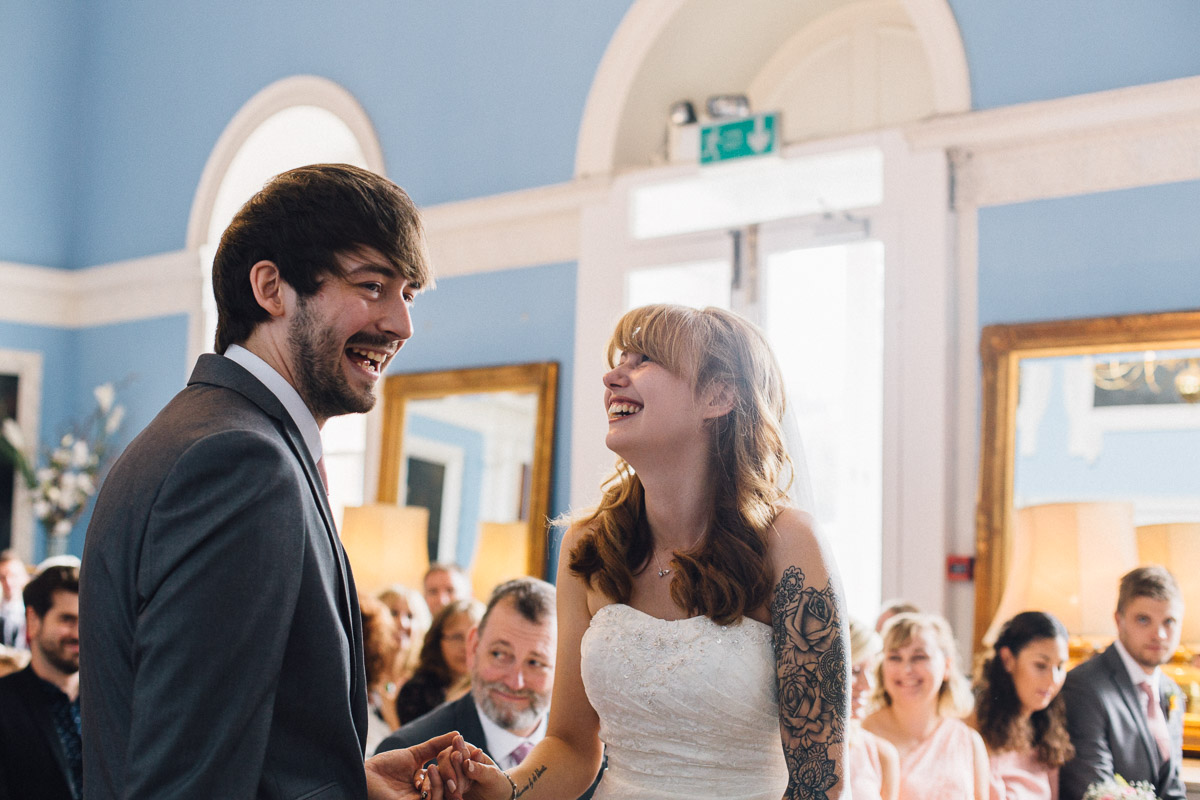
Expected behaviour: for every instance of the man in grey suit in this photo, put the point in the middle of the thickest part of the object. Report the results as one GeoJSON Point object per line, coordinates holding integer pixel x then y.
{"type": "Point", "coordinates": [221, 645]}
{"type": "Point", "coordinates": [510, 655]}
{"type": "Point", "coordinates": [1124, 715]}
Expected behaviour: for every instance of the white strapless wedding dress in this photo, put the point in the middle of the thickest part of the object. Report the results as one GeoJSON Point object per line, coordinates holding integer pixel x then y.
{"type": "Point", "coordinates": [687, 708]}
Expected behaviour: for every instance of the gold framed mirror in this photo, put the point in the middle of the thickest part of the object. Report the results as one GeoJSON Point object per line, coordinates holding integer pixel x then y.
{"type": "Point", "coordinates": [475, 446]}
{"type": "Point", "coordinates": [1087, 412]}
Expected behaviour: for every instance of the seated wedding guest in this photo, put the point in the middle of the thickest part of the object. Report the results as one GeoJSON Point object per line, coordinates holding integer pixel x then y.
{"type": "Point", "coordinates": [1018, 709]}
{"type": "Point", "coordinates": [413, 619]}
{"type": "Point", "coordinates": [873, 763]}
{"type": "Point", "coordinates": [381, 641]}
{"type": "Point", "coordinates": [13, 577]}
{"type": "Point", "coordinates": [511, 658]}
{"type": "Point", "coordinates": [1124, 714]}
{"type": "Point", "coordinates": [890, 609]}
{"type": "Point", "coordinates": [40, 755]}
{"type": "Point", "coordinates": [444, 583]}
{"type": "Point", "coordinates": [443, 664]}
{"type": "Point", "coordinates": [920, 696]}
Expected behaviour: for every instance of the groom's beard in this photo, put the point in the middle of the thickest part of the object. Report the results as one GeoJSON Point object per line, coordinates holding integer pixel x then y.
{"type": "Point", "coordinates": [507, 716]}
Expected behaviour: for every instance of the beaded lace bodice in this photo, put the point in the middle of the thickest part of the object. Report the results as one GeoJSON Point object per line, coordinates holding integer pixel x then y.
{"type": "Point", "coordinates": [687, 707]}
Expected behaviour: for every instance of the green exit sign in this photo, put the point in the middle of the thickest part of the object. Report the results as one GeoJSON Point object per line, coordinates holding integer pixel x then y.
{"type": "Point", "coordinates": [742, 138]}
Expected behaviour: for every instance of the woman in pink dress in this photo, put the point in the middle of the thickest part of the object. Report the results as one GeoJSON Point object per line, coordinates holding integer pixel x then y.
{"type": "Point", "coordinates": [1018, 710]}
{"type": "Point", "coordinates": [872, 763]}
{"type": "Point", "coordinates": [920, 698]}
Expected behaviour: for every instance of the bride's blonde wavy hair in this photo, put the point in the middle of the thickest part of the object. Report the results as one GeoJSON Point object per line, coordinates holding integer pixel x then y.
{"type": "Point", "coordinates": [726, 574]}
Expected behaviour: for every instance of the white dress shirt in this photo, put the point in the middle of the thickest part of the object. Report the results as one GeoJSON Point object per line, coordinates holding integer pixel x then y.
{"type": "Point", "coordinates": [1136, 673]}
{"type": "Point", "coordinates": [286, 393]}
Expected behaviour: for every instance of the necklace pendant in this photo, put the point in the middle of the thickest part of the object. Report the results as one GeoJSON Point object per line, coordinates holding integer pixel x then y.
{"type": "Point", "coordinates": [662, 573]}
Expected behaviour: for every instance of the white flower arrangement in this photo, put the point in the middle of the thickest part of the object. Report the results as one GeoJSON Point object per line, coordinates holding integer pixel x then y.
{"type": "Point", "coordinates": [1120, 789]}
{"type": "Point", "coordinates": [61, 489]}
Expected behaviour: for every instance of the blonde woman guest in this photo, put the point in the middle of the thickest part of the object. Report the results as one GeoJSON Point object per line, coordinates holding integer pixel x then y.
{"type": "Point", "coordinates": [873, 763]}
{"type": "Point", "coordinates": [412, 623]}
{"type": "Point", "coordinates": [1018, 708]}
{"type": "Point", "coordinates": [920, 698]}
{"type": "Point", "coordinates": [701, 624]}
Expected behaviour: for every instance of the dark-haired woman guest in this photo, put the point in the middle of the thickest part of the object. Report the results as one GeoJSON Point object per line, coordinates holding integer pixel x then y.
{"type": "Point", "coordinates": [443, 664]}
{"type": "Point", "coordinates": [1018, 710]}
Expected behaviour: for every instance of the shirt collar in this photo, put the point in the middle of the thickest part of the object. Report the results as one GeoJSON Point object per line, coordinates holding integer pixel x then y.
{"type": "Point", "coordinates": [285, 392]}
{"type": "Point", "coordinates": [501, 742]}
{"type": "Point", "coordinates": [1136, 673]}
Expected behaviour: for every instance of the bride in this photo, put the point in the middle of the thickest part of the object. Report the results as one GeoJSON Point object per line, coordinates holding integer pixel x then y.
{"type": "Point", "coordinates": [701, 624]}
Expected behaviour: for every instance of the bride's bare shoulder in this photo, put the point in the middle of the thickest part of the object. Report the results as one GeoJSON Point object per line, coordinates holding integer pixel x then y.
{"type": "Point", "coordinates": [794, 540]}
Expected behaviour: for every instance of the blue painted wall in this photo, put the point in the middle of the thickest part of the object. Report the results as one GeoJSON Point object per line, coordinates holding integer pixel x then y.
{"type": "Point", "coordinates": [469, 99]}
{"type": "Point", "coordinates": [40, 45]}
{"type": "Point", "coordinates": [1125, 252]}
{"type": "Point", "coordinates": [112, 107]}
{"type": "Point", "coordinates": [1024, 50]}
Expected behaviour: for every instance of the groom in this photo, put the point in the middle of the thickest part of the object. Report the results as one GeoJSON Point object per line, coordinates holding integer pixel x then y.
{"type": "Point", "coordinates": [221, 641]}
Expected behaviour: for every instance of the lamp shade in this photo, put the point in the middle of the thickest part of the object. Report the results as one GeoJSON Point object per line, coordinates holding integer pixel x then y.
{"type": "Point", "coordinates": [1176, 546]}
{"type": "Point", "coordinates": [1068, 559]}
{"type": "Point", "coordinates": [501, 554]}
{"type": "Point", "coordinates": [386, 544]}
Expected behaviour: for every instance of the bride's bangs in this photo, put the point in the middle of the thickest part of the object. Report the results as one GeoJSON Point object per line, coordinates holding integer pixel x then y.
{"type": "Point", "coordinates": [667, 335]}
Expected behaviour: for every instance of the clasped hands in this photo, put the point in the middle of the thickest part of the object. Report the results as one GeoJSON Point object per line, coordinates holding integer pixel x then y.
{"type": "Point", "coordinates": [443, 768]}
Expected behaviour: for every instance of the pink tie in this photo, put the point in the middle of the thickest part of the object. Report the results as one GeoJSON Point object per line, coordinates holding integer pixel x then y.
{"type": "Point", "coordinates": [324, 475]}
{"type": "Point", "coordinates": [1158, 725]}
{"type": "Point", "coordinates": [518, 754]}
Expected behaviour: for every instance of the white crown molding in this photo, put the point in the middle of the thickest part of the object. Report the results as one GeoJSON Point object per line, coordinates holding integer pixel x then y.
{"type": "Point", "coordinates": [507, 231]}
{"type": "Point", "coordinates": [155, 286]}
{"type": "Point", "coordinates": [1118, 139]}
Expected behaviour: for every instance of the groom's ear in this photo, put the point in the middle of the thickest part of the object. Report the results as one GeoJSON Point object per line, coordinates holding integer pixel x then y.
{"type": "Point", "coordinates": [718, 400]}
{"type": "Point", "coordinates": [268, 287]}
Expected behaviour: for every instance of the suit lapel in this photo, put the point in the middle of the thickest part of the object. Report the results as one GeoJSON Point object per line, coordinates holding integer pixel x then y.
{"type": "Point", "coordinates": [1132, 697]}
{"type": "Point", "coordinates": [469, 726]}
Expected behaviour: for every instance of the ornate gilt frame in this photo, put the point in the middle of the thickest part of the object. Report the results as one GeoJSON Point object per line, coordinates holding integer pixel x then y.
{"type": "Point", "coordinates": [1001, 348]}
{"type": "Point", "coordinates": [540, 378]}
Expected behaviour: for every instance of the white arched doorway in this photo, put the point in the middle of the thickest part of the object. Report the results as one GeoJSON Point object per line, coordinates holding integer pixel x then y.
{"type": "Point", "coordinates": [849, 75]}
{"type": "Point", "coordinates": [296, 121]}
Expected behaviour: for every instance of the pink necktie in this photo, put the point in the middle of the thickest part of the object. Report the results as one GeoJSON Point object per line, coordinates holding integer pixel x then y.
{"type": "Point", "coordinates": [324, 475]}
{"type": "Point", "coordinates": [1158, 725]}
{"type": "Point", "coordinates": [518, 754]}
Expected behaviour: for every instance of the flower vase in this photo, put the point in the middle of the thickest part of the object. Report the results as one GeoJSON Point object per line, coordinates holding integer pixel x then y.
{"type": "Point", "coordinates": [56, 543]}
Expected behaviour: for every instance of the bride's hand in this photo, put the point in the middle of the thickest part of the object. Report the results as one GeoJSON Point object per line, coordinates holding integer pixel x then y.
{"type": "Point", "coordinates": [474, 775]}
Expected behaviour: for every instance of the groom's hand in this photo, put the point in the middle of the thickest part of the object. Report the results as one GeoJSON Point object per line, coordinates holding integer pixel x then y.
{"type": "Point", "coordinates": [390, 775]}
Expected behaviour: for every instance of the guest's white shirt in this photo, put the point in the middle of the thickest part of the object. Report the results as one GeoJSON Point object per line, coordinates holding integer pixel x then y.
{"type": "Point", "coordinates": [286, 393]}
{"type": "Point", "coordinates": [502, 742]}
{"type": "Point", "coordinates": [1136, 673]}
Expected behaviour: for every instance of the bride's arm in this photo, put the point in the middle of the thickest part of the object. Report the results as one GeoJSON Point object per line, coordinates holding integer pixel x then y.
{"type": "Point", "coordinates": [808, 615]}
{"type": "Point", "coordinates": [565, 763]}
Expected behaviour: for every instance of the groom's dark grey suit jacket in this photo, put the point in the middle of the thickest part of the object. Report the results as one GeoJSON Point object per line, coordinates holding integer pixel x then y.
{"type": "Point", "coordinates": [221, 645]}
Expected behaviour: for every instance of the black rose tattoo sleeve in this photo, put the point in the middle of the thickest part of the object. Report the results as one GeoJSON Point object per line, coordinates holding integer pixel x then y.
{"type": "Point", "coordinates": [812, 677]}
